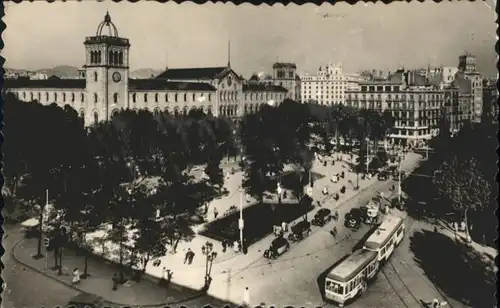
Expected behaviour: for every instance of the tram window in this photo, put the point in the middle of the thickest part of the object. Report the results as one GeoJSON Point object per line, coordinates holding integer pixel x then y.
{"type": "Point", "coordinates": [400, 230]}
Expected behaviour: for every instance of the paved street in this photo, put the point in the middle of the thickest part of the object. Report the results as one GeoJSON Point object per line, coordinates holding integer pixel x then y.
{"type": "Point", "coordinates": [22, 281]}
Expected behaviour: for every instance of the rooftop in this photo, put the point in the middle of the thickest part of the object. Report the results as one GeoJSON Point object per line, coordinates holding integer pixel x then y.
{"type": "Point", "coordinates": [200, 73]}
{"type": "Point", "coordinates": [51, 82]}
{"type": "Point", "coordinates": [159, 84]}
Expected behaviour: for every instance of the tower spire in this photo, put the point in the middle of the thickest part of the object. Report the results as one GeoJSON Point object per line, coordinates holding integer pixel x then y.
{"type": "Point", "coordinates": [229, 53]}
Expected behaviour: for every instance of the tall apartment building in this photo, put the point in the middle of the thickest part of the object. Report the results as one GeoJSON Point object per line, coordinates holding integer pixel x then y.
{"type": "Point", "coordinates": [326, 87]}
{"type": "Point", "coordinates": [490, 97]}
{"type": "Point", "coordinates": [468, 74]}
{"type": "Point", "coordinates": [415, 105]}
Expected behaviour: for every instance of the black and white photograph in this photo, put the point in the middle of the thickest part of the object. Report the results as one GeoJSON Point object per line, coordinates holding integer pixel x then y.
{"type": "Point", "coordinates": [222, 155]}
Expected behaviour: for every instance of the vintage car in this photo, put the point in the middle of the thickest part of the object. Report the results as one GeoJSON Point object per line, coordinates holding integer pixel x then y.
{"type": "Point", "coordinates": [383, 176]}
{"type": "Point", "coordinates": [322, 217]}
{"type": "Point", "coordinates": [354, 218]}
{"type": "Point", "coordinates": [299, 231]}
{"type": "Point", "coordinates": [278, 247]}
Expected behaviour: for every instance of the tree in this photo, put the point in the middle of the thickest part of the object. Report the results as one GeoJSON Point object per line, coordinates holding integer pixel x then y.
{"type": "Point", "coordinates": [463, 187]}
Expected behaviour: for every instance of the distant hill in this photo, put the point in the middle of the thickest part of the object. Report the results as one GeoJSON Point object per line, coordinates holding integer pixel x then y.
{"type": "Point", "coordinates": [60, 71]}
{"type": "Point", "coordinates": [144, 73]}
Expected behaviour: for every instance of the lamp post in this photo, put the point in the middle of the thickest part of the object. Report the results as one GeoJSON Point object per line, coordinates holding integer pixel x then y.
{"type": "Point", "coordinates": [207, 250]}
{"type": "Point", "coordinates": [399, 178]}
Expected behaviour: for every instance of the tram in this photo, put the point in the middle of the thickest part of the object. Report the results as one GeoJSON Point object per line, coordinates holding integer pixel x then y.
{"type": "Point", "coordinates": [350, 277]}
{"type": "Point", "coordinates": [384, 239]}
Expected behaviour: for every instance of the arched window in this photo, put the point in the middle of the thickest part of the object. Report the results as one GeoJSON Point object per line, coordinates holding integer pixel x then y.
{"type": "Point", "coordinates": [111, 57]}
{"type": "Point", "coordinates": [82, 98]}
{"type": "Point", "coordinates": [209, 110]}
{"type": "Point", "coordinates": [209, 97]}
{"type": "Point", "coordinates": [156, 98]}
{"type": "Point", "coordinates": [95, 97]}
{"type": "Point", "coordinates": [82, 113]}
{"type": "Point", "coordinates": [31, 96]}
{"type": "Point", "coordinates": [95, 76]}
{"type": "Point", "coordinates": [64, 97]}
{"type": "Point", "coordinates": [166, 97]}
{"type": "Point", "coordinates": [55, 97]}
{"type": "Point", "coordinates": [120, 58]}
{"type": "Point", "coordinates": [176, 111]}
{"type": "Point", "coordinates": [39, 96]}
{"type": "Point", "coordinates": [47, 96]}
{"type": "Point", "coordinates": [99, 57]}
{"type": "Point", "coordinates": [194, 97]}
{"type": "Point", "coordinates": [72, 97]}
{"type": "Point", "coordinates": [96, 117]}
{"type": "Point", "coordinates": [24, 95]}
{"type": "Point", "coordinates": [157, 112]}
{"type": "Point", "coordinates": [220, 110]}
{"type": "Point", "coordinates": [145, 97]}
{"type": "Point", "coordinates": [245, 109]}
{"type": "Point", "coordinates": [175, 97]}
{"type": "Point", "coordinates": [116, 60]}
{"type": "Point", "coordinates": [115, 98]}
{"type": "Point", "coordinates": [134, 97]}
{"type": "Point", "coordinates": [185, 110]}
{"type": "Point", "coordinates": [185, 97]}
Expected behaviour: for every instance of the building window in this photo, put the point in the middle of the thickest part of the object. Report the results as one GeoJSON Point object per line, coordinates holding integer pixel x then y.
{"type": "Point", "coordinates": [55, 97]}
{"type": "Point", "coordinates": [166, 97]}
{"type": "Point", "coordinates": [95, 97]}
{"type": "Point", "coordinates": [134, 97]}
{"type": "Point", "coordinates": [64, 97]}
{"type": "Point", "coordinates": [95, 76]}
{"type": "Point", "coordinates": [46, 96]}
{"type": "Point", "coordinates": [175, 97]}
{"type": "Point", "coordinates": [185, 97]}
{"type": "Point", "coordinates": [145, 97]}
{"type": "Point", "coordinates": [82, 99]}
{"type": "Point", "coordinates": [96, 117]}
{"type": "Point", "coordinates": [31, 96]}
{"type": "Point", "coordinates": [82, 113]}
{"type": "Point", "coordinates": [115, 98]}
{"type": "Point", "coordinates": [120, 58]}
{"type": "Point", "coordinates": [209, 97]}
{"type": "Point", "coordinates": [39, 96]}
{"type": "Point", "coordinates": [156, 98]}
{"type": "Point", "coordinates": [157, 112]}
{"type": "Point", "coordinates": [194, 97]}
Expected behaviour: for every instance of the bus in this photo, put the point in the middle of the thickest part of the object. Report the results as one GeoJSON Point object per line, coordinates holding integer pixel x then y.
{"type": "Point", "coordinates": [388, 235]}
{"type": "Point", "coordinates": [349, 278]}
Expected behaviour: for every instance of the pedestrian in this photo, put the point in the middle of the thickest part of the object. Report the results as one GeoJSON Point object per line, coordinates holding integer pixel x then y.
{"type": "Point", "coordinates": [245, 245]}
{"type": "Point", "coordinates": [186, 257]}
{"type": "Point", "coordinates": [76, 276]}
{"type": "Point", "coordinates": [115, 281]}
{"type": "Point", "coordinates": [236, 246]}
{"type": "Point", "coordinates": [284, 226]}
{"type": "Point", "coordinates": [191, 257]}
{"type": "Point", "coordinates": [246, 297]}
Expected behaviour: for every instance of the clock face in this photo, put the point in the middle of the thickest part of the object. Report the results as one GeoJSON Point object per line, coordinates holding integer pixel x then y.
{"type": "Point", "coordinates": [116, 77]}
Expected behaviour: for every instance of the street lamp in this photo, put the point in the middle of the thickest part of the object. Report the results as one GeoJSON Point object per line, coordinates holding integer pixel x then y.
{"type": "Point", "coordinates": [399, 178]}
{"type": "Point", "coordinates": [207, 250]}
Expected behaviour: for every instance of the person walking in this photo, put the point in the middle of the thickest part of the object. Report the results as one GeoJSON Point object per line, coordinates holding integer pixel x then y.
{"type": "Point", "coordinates": [246, 297]}
{"type": "Point", "coordinates": [115, 281]}
{"type": "Point", "coordinates": [76, 276]}
{"type": "Point", "coordinates": [191, 257]}
{"type": "Point", "coordinates": [186, 257]}
{"type": "Point", "coordinates": [284, 227]}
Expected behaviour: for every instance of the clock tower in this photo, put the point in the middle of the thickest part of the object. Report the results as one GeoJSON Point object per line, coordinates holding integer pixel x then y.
{"type": "Point", "coordinates": [107, 72]}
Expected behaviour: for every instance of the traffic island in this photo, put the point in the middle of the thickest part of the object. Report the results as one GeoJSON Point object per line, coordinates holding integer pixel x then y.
{"type": "Point", "coordinates": [259, 220]}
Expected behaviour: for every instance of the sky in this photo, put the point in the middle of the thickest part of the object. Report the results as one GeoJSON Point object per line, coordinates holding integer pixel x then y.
{"type": "Point", "coordinates": [362, 36]}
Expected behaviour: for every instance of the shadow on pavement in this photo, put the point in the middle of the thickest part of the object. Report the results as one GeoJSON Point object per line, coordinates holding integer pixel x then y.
{"type": "Point", "coordinates": [455, 268]}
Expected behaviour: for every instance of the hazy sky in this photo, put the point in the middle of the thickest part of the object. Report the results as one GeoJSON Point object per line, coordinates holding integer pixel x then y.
{"type": "Point", "coordinates": [362, 36]}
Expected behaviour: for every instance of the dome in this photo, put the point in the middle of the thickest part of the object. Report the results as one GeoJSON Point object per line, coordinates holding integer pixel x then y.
{"type": "Point", "coordinates": [112, 31]}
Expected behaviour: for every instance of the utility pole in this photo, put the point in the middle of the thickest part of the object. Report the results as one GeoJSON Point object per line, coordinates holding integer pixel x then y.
{"type": "Point", "coordinates": [399, 180]}
{"type": "Point", "coordinates": [367, 154]}
{"type": "Point", "coordinates": [241, 224]}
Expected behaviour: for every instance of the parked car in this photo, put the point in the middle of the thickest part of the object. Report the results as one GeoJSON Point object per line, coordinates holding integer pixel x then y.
{"type": "Point", "coordinates": [354, 218]}
{"type": "Point", "coordinates": [383, 176]}
{"type": "Point", "coordinates": [322, 217]}
{"type": "Point", "coordinates": [278, 247]}
{"type": "Point", "coordinates": [300, 231]}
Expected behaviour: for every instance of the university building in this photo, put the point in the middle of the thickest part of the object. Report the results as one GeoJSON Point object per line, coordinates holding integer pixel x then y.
{"type": "Point", "coordinates": [104, 86]}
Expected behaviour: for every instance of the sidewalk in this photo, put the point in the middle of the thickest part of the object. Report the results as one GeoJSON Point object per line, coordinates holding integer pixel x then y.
{"type": "Point", "coordinates": [145, 293]}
